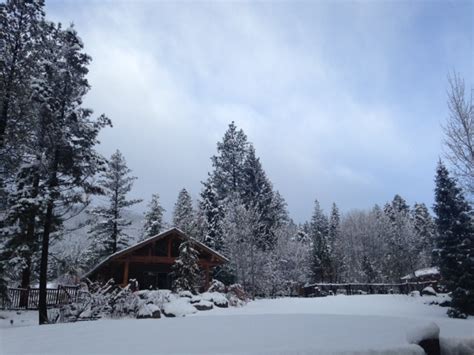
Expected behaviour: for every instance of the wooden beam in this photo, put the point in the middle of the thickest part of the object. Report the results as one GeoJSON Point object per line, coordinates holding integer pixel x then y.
{"type": "Point", "coordinates": [125, 273]}
{"type": "Point", "coordinates": [206, 286]}
{"type": "Point", "coordinates": [169, 247]}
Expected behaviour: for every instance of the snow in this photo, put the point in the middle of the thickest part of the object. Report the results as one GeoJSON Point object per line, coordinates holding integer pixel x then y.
{"type": "Point", "coordinates": [217, 298]}
{"type": "Point", "coordinates": [356, 324]}
{"type": "Point", "coordinates": [147, 310]}
{"type": "Point", "coordinates": [179, 307]}
{"type": "Point", "coordinates": [429, 331]}
{"type": "Point", "coordinates": [423, 272]}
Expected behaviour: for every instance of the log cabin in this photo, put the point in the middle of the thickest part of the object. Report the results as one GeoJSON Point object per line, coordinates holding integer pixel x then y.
{"type": "Point", "coordinates": [150, 262]}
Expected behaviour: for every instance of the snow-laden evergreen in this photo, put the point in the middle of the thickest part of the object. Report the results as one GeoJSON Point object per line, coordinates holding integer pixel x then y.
{"type": "Point", "coordinates": [455, 242]}
{"type": "Point", "coordinates": [107, 230]}
{"type": "Point", "coordinates": [154, 222]}
{"type": "Point", "coordinates": [184, 214]}
{"type": "Point", "coordinates": [186, 272]}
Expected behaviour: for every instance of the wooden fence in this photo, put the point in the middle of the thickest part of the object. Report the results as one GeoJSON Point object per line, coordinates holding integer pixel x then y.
{"type": "Point", "coordinates": [28, 298]}
{"type": "Point", "coordinates": [319, 289]}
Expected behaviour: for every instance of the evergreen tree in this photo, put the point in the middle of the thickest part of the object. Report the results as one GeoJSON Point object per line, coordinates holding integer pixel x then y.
{"type": "Point", "coordinates": [424, 230]}
{"type": "Point", "coordinates": [212, 209]}
{"type": "Point", "coordinates": [22, 27]}
{"type": "Point", "coordinates": [183, 213]}
{"type": "Point", "coordinates": [257, 193]}
{"type": "Point", "coordinates": [368, 269]}
{"type": "Point", "coordinates": [337, 258]}
{"type": "Point", "coordinates": [186, 269]}
{"type": "Point", "coordinates": [320, 248]}
{"type": "Point", "coordinates": [108, 223]}
{"type": "Point", "coordinates": [455, 242]}
{"type": "Point", "coordinates": [154, 217]}
{"type": "Point", "coordinates": [228, 164]}
{"type": "Point", "coordinates": [401, 252]}
{"type": "Point", "coordinates": [20, 42]}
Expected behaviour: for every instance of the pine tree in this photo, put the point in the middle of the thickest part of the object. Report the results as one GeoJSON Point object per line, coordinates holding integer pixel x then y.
{"type": "Point", "coordinates": [257, 193]}
{"type": "Point", "coordinates": [108, 223]}
{"type": "Point", "coordinates": [21, 24]}
{"type": "Point", "coordinates": [320, 249]}
{"type": "Point", "coordinates": [455, 242]}
{"type": "Point", "coordinates": [402, 257]}
{"type": "Point", "coordinates": [424, 230]}
{"type": "Point", "coordinates": [368, 269]}
{"type": "Point", "coordinates": [154, 217]}
{"type": "Point", "coordinates": [66, 138]}
{"type": "Point", "coordinates": [228, 164]}
{"type": "Point", "coordinates": [213, 212]}
{"type": "Point", "coordinates": [20, 40]}
{"type": "Point", "coordinates": [337, 257]}
{"type": "Point", "coordinates": [183, 213]}
{"type": "Point", "coordinates": [186, 269]}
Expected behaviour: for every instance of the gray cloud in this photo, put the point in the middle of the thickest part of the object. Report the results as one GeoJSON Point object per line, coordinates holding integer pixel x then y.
{"type": "Point", "coordinates": [318, 89]}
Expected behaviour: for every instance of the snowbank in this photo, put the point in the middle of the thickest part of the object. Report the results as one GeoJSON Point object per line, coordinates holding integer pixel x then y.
{"type": "Point", "coordinates": [373, 324]}
{"type": "Point", "coordinates": [178, 307]}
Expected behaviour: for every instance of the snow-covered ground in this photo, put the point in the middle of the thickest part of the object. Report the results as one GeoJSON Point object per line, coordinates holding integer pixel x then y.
{"type": "Point", "coordinates": [372, 324]}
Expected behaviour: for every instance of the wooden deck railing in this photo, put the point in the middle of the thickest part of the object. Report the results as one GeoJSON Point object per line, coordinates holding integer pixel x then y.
{"type": "Point", "coordinates": [28, 298]}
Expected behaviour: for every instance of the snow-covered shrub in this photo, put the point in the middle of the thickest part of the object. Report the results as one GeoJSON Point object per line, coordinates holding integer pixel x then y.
{"type": "Point", "coordinates": [178, 307]}
{"type": "Point", "coordinates": [187, 294]}
{"type": "Point", "coordinates": [148, 310]}
{"type": "Point", "coordinates": [428, 291]}
{"type": "Point", "coordinates": [203, 305]}
{"type": "Point", "coordinates": [215, 297]}
{"type": "Point", "coordinates": [216, 286]}
{"type": "Point", "coordinates": [237, 296]}
{"type": "Point", "coordinates": [124, 303]}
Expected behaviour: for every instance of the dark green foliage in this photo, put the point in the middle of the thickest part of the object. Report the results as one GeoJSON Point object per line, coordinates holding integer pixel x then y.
{"type": "Point", "coordinates": [186, 269]}
{"type": "Point", "coordinates": [455, 242]}
{"type": "Point", "coordinates": [108, 222]}
{"type": "Point", "coordinates": [153, 217]}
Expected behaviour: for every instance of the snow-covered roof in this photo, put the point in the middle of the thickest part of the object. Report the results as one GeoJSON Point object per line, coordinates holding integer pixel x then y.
{"type": "Point", "coordinates": [427, 271]}
{"type": "Point", "coordinates": [151, 239]}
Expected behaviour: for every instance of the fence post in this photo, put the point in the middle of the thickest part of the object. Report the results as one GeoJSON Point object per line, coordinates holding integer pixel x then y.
{"type": "Point", "coordinates": [57, 295]}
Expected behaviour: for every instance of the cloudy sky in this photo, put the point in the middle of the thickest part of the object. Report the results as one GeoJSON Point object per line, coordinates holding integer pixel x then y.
{"type": "Point", "coordinates": [343, 100]}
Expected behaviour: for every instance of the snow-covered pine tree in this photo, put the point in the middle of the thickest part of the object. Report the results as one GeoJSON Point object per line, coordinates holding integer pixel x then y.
{"type": "Point", "coordinates": [455, 242]}
{"type": "Point", "coordinates": [212, 210]}
{"type": "Point", "coordinates": [108, 223]}
{"type": "Point", "coordinates": [257, 193]}
{"type": "Point", "coordinates": [20, 41]}
{"type": "Point", "coordinates": [21, 24]}
{"type": "Point", "coordinates": [185, 269]}
{"type": "Point", "coordinates": [402, 256]}
{"type": "Point", "coordinates": [153, 217]}
{"type": "Point", "coordinates": [336, 253]}
{"type": "Point", "coordinates": [368, 269]}
{"type": "Point", "coordinates": [424, 229]}
{"type": "Point", "coordinates": [63, 140]}
{"type": "Point", "coordinates": [183, 213]}
{"type": "Point", "coordinates": [320, 264]}
{"type": "Point", "coordinates": [228, 174]}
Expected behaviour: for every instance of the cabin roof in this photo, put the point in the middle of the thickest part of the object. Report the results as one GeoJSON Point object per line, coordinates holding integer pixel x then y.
{"type": "Point", "coordinates": [144, 242]}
